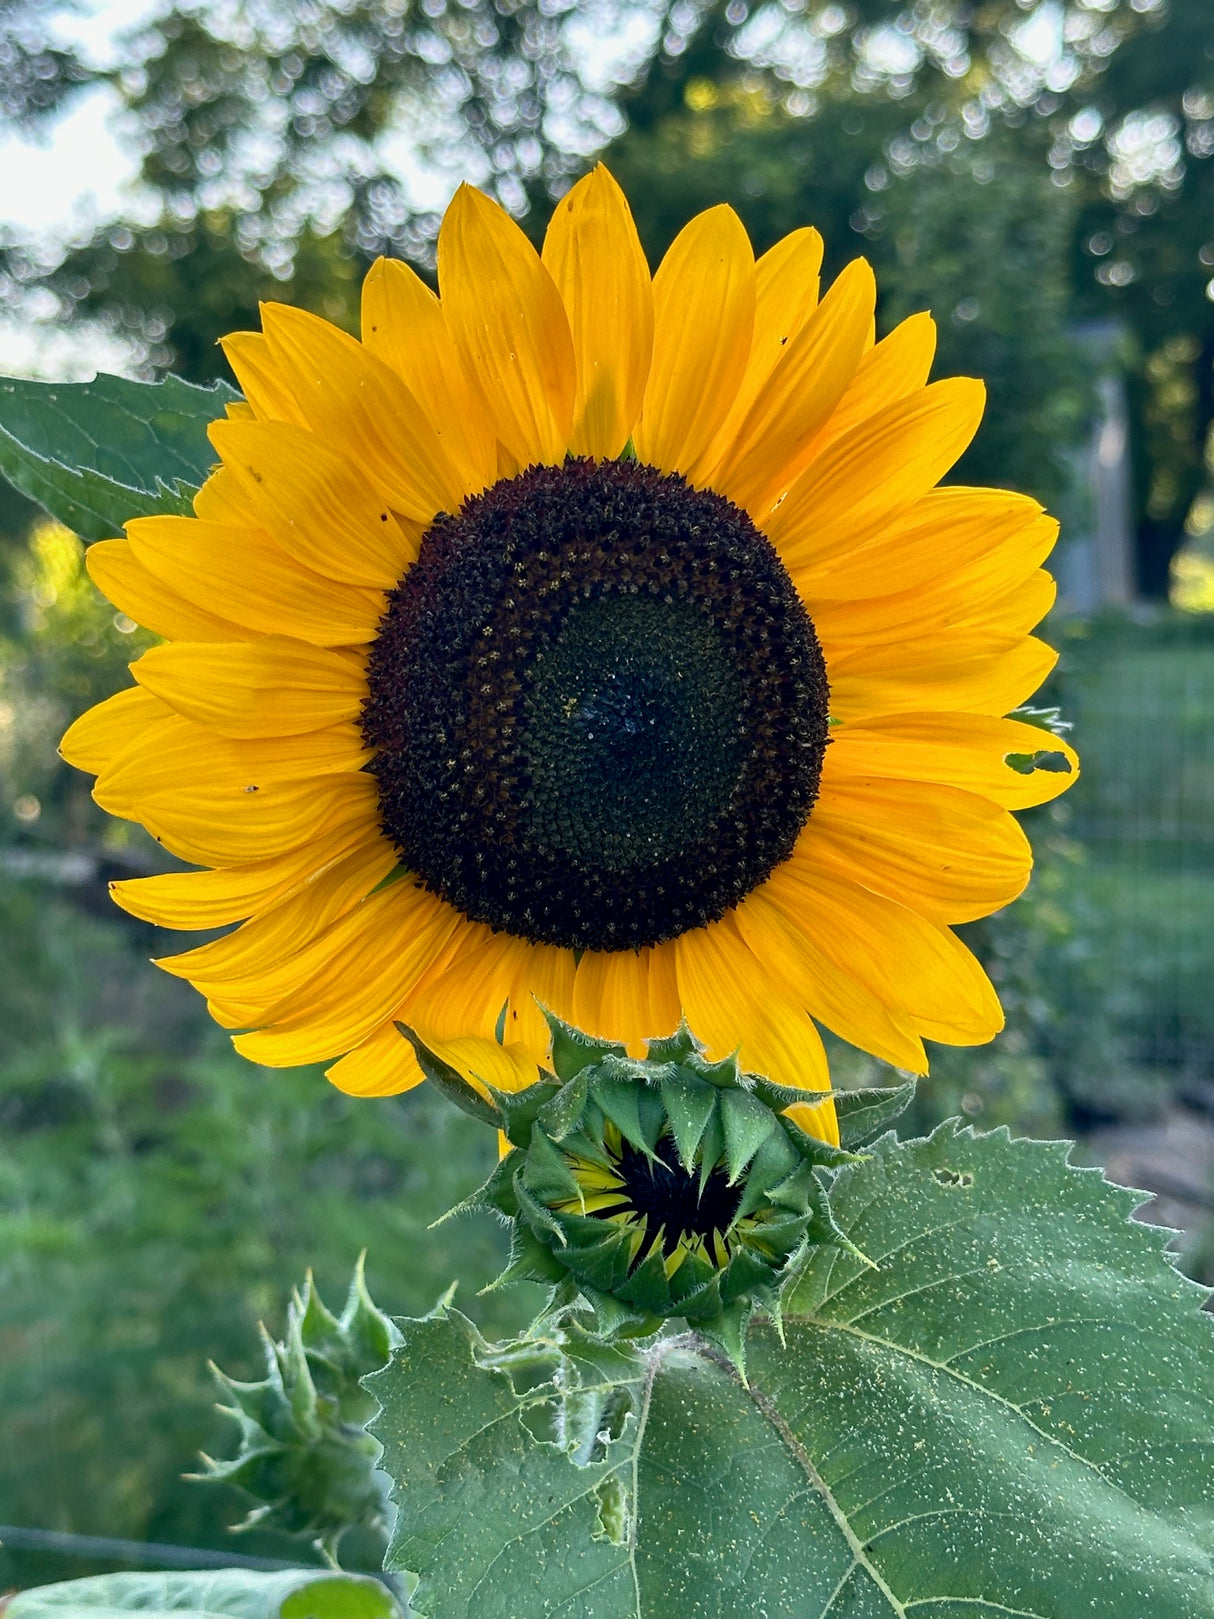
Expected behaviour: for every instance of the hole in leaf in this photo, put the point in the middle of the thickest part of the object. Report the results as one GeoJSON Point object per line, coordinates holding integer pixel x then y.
{"type": "Point", "coordinates": [952, 1177]}
{"type": "Point", "coordinates": [612, 1515]}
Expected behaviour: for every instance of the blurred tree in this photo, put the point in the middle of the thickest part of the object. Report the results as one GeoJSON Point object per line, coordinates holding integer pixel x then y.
{"type": "Point", "coordinates": [272, 150]}
{"type": "Point", "coordinates": [266, 153]}
{"type": "Point", "coordinates": [37, 76]}
{"type": "Point", "coordinates": [970, 233]}
{"type": "Point", "coordinates": [1142, 148]}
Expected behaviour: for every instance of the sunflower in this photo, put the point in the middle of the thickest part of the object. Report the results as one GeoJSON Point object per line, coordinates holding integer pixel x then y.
{"type": "Point", "coordinates": [587, 639]}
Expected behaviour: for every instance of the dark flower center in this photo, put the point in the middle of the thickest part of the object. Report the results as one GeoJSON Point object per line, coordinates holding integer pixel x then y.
{"type": "Point", "coordinates": [598, 705]}
{"type": "Point", "coordinates": [669, 1200]}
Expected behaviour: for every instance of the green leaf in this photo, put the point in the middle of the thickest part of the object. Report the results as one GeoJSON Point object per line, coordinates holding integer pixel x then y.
{"type": "Point", "coordinates": [230, 1593]}
{"type": "Point", "coordinates": [95, 454]}
{"type": "Point", "coordinates": [1012, 1415]}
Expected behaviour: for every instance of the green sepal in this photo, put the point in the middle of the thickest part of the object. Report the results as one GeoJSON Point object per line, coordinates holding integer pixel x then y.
{"type": "Point", "coordinates": [530, 1261]}
{"type": "Point", "coordinates": [572, 1050]}
{"type": "Point", "coordinates": [561, 1114]}
{"type": "Point", "coordinates": [450, 1082]}
{"type": "Point", "coordinates": [712, 1146]}
{"type": "Point", "coordinates": [674, 1048]}
{"type": "Point", "coordinates": [823, 1229]}
{"type": "Point", "coordinates": [779, 1097]}
{"type": "Point", "coordinates": [317, 1323]}
{"type": "Point", "coordinates": [496, 1193]}
{"type": "Point", "coordinates": [614, 1319]}
{"type": "Point", "coordinates": [820, 1152]}
{"type": "Point", "coordinates": [689, 1102]}
{"type": "Point", "coordinates": [547, 1172]}
{"type": "Point", "coordinates": [518, 1110]}
{"type": "Point", "coordinates": [535, 1213]}
{"type": "Point", "coordinates": [747, 1124]}
{"type": "Point", "coordinates": [604, 1264]}
{"type": "Point", "coordinates": [726, 1073]}
{"type": "Point", "coordinates": [621, 1092]}
{"type": "Point", "coordinates": [866, 1114]}
{"type": "Point", "coordinates": [648, 1288]}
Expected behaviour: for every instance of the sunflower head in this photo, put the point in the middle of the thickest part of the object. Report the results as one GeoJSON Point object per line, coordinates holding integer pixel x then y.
{"type": "Point", "coordinates": [590, 637]}
{"type": "Point", "coordinates": [659, 1187]}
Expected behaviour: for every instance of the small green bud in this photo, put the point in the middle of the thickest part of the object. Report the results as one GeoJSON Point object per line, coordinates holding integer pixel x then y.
{"type": "Point", "coordinates": [305, 1455]}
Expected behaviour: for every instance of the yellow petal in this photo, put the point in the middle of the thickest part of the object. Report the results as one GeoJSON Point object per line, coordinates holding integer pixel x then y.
{"type": "Point", "coordinates": [812, 976]}
{"type": "Point", "coordinates": [983, 594]}
{"type": "Point", "coordinates": [892, 369]}
{"type": "Point", "coordinates": [1017, 611]}
{"type": "Point", "coordinates": [279, 931]}
{"type": "Point", "coordinates": [314, 503]}
{"type": "Point", "coordinates": [594, 256]}
{"type": "Point", "coordinates": [804, 386]}
{"type": "Point", "coordinates": [957, 671]}
{"type": "Point", "coordinates": [194, 900]}
{"type": "Point", "coordinates": [730, 1006]}
{"type": "Point", "coordinates": [907, 964]}
{"type": "Point", "coordinates": [544, 978]}
{"type": "Point", "coordinates": [108, 729]}
{"type": "Point", "coordinates": [360, 406]}
{"type": "Point", "coordinates": [404, 326]}
{"type": "Point", "coordinates": [872, 475]}
{"type": "Point", "coordinates": [177, 753]}
{"type": "Point", "coordinates": [261, 381]}
{"type": "Point", "coordinates": [270, 687]}
{"type": "Point", "coordinates": [274, 989]}
{"type": "Point", "coordinates": [384, 1065]}
{"type": "Point", "coordinates": [704, 314]}
{"type": "Point", "coordinates": [371, 960]}
{"type": "Point", "coordinates": [468, 992]}
{"type": "Point", "coordinates": [119, 575]}
{"type": "Point", "coordinates": [950, 855]}
{"type": "Point", "coordinates": [946, 530]}
{"type": "Point", "coordinates": [786, 295]}
{"type": "Point", "coordinates": [227, 827]}
{"type": "Point", "coordinates": [220, 499]}
{"type": "Point", "coordinates": [483, 1062]}
{"type": "Point", "coordinates": [509, 326]}
{"type": "Point", "coordinates": [627, 995]}
{"type": "Point", "coordinates": [966, 750]}
{"type": "Point", "coordinates": [242, 574]}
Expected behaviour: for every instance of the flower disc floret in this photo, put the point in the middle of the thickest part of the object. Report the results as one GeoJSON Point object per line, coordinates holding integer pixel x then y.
{"type": "Point", "coordinates": [598, 707]}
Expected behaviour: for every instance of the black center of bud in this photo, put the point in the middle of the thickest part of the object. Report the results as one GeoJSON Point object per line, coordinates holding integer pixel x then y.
{"type": "Point", "coordinates": [669, 1201]}
{"type": "Point", "coordinates": [598, 705]}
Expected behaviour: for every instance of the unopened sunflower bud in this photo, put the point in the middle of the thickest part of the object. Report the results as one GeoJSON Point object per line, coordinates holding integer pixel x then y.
{"type": "Point", "coordinates": [672, 1186]}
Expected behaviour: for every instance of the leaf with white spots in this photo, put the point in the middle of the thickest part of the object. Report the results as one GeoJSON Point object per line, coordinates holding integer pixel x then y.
{"type": "Point", "coordinates": [1011, 1417]}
